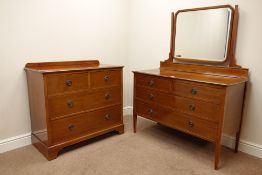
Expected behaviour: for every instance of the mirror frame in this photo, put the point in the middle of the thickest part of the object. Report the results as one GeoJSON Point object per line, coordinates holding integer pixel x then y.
{"type": "Point", "coordinates": [231, 42]}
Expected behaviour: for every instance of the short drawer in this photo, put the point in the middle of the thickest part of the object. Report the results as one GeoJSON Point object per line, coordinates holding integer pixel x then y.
{"type": "Point", "coordinates": [105, 78]}
{"type": "Point", "coordinates": [151, 95]}
{"type": "Point", "coordinates": [152, 111]}
{"type": "Point", "coordinates": [66, 82]}
{"type": "Point", "coordinates": [200, 128]}
{"type": "Point", "coordinates": [198, 91]}
{"type": "Point", "coordinates": [201, 109]}
{"type": "Point", "coordinates": [82, 101]}
{"type": "Point", "coordinates": [79, 125]}
{"type": "Point", "coordinates": [155, 82]}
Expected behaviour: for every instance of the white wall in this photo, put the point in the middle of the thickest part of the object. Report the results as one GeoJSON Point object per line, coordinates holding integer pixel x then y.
{"type": "Point", "coordinates": [135, 33]}
{"type": "Point", "coordinates": [49, 30]}
{"type": "Point", "coordinates": [150, 37]}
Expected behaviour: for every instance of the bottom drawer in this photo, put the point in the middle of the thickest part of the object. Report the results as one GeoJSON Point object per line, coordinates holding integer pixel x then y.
{"type": "Point", "coordinates": [186, 123]}
{"type": "Point", "coordinates": [78, 125]}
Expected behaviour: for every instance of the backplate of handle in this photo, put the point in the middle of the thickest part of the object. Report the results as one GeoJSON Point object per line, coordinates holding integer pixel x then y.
{"type": "Point", "coordinates": [190, 124]}
{"type": "Point", "coordinates": [150, 111]}
{"type": "Point", "coordinates": [107, 117]}
{"type": "Point", "coordinates": [71, 127]}
{"type": "Point", "coordinates": [192, 107]}
{"type": "Point", "coordinates": [69, 82]}
{"type": "Point", "coordinates": [151, 96]}
{"type": "Point", "coordinates": [193, 91]}
{"type": "Point", "coordinates": [106, 78]}
{"type": "Point", "coordinates": [107, 96]}
{"type": "Point", "coordinates": [151, 83]}
{"type": "Point", "coordinates": [70, 103]}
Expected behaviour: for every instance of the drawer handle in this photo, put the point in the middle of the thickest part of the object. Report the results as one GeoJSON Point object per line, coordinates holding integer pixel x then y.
{"type": "Point", "coordinates": [190, 124]}
{"type": "Point", "coordinates": [151, 83]}
{"type": "Point", "coordinates": [193, 91]}
{"type": "Point", "coordinates": [151, 96]}
{"type": "Point", "coordinates": [192, 107]}
{"type": "Point", "coordinates": [107, 117]}
{"type": "Point", "coordinates": [150, 111]}
{"type": "Point", "coordinates": [106, 78]}
{"type": "Point", "coordinates": [69, 82]}
{"type": "Point", "coordinates": [107, 96]}
{"type": "Point", "coordinates": [71, 127]}
{"type": "Point", "coordinates": [70, 104]}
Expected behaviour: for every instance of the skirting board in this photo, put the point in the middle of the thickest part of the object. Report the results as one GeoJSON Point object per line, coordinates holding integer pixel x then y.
{"type": "Point", "coordinates": [228, 141]}
{"type": "Point", "coordinates": [15, 142]}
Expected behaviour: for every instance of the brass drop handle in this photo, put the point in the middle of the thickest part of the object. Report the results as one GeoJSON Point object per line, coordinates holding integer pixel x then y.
{"type": "Point", "coordinates": [151, 96]}
{"type": "Point", "coordinates": [107, 117]}
{"type": "Point", "coordinates": [190, 124]}
{"type": "Point", "coordinates": [107, 96]}
{"type": "Point", "coordinates": [192, 107]}
{"type": "Point", "coordinates": [71, 127]}
{"type": "Point", "coordinates": [150, 111]}
{"type": "Point", "coordinates": [151, 83]}
{"type": "Point", "coordinates": [106, 78]}
{"type": "Point", "coordinates": [69, 82]}
{"type": "Point", "coordinates": [193, 91]}
{"type": "Point", "coordinates": [70, 103]}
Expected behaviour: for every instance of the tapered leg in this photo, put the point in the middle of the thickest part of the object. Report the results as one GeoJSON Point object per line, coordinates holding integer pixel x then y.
{"type": "Point", "coordinates": [134, 122]}
{"type": "Point", "coordinates": [217, 155]}
{"type": "Point", "coordinates": [237, 142]}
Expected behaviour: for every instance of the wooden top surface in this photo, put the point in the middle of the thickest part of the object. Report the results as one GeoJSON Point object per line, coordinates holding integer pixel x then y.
{"type": "Point", "coordinates": [224, 80]}
{"type": "Point", "coordinates": [62, 66]}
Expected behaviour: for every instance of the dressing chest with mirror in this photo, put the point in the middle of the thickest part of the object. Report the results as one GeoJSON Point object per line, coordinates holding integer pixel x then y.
{"type": "Point", "coordinates": [72, 101]}
{"type": "Point", "coordinates": [199, 89]}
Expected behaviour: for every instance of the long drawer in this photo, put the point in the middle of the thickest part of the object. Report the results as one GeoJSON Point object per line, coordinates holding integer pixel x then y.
{"type": "Point", "coordinates": [78, 125]}
{"type": "Point", "coordinates": [190, 124]}
{"type": "Point", "coordinates": [73, 103]}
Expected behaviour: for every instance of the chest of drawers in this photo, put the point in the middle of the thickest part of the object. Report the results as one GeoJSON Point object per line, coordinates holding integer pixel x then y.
{"type": "Point", "coordinates": [202, 105]}
{"type": "Point", "coordinates": [73, 101]}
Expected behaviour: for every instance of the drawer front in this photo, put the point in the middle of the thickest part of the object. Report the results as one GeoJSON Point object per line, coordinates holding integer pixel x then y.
{"type": "Point", "coordinates": [105, 78]}
{"type": "Point", "coordinates": [201, 109]}
{"type": "Point", "coordinates": [150, 95]}
{"type": "Point", "coordinates": [78, 125]}
{"type": "Point", "coordinates": [151, 111]}
{"type": "Point", "coordinates": [196, 91]}
{"type": "Point", "coordinates": [155, 82]}
{"type": "Point", "coordinates": [77, 102]}
{"type": "Point", "coordinates": [66, 82]}
{"type": "Point", "coordinates": [200, 128]}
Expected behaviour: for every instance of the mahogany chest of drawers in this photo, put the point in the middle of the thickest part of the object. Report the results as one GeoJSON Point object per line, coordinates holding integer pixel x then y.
{"type": "Point", "coordinates": [73, 101]}
{"type": "Point", "coordinates": [200, 104]}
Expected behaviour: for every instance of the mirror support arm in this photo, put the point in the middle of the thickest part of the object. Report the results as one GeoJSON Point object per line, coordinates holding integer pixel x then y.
{"type": "Point", "coordinates": [232, 59]}
{"type": "Point", "coordinates": [172, 41]}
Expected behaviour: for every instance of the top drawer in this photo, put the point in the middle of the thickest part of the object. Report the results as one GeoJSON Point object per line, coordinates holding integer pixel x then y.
{"type": "Point", "coordinates": [198, 91]}
{"type": "Point", "coordinates": [105, 78]}
{"type": "Point", "coordinates": [155, 82]}
{"type": "Point", "coordinates": [66, 82]}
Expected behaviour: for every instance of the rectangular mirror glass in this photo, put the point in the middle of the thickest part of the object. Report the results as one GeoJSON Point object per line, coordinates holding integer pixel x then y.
{"type": "Point", "coordinates": [203, 34]}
